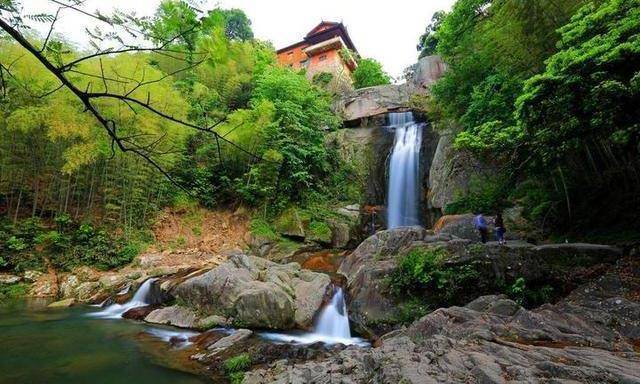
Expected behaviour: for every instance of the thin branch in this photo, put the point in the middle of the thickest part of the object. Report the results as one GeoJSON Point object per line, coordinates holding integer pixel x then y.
{"type": "Point", "coordinates": [98, 76]}
{"type": "Point", "coordinates": [53, 23]}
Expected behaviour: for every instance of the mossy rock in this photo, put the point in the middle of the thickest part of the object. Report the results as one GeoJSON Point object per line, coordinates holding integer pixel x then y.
{"type": "Point", "coordinates": [292, 223]}
{"type": "Point", "coordinates": [319, 231]}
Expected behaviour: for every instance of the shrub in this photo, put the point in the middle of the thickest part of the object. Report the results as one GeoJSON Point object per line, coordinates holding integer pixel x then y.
{"type": "Point", "coordinates": [422, 274]}
{"type": "Point", "coordinates": [13, 291]}
{"type": "Point", "coordinates": [485, 195]}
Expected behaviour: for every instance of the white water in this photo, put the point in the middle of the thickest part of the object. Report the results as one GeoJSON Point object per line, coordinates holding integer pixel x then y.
{"type": "Point", "coordinates": [332, 327]}
{"type": "Point", "coordinates": [404, 190]}
{"type": "Point", "coordinates": [178, 338]}
{"type": "Point", "coordinates": [333, 320]}
{"type": "Point", "coordinates": [139, 299]}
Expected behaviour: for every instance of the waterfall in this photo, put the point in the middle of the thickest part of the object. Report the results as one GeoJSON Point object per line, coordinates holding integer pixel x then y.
{"type": "Point", "coordinates": [404, 190]}
{"type": "Point", "coordinates": [139, 299]}
{"type": "Point", "coordinates": [332, 327]}
{"type": "Point", "coordinates": [333, 320]}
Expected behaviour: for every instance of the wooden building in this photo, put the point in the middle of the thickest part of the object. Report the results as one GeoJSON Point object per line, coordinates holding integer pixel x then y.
{"type": "Point", "coordinates": [326, 48]}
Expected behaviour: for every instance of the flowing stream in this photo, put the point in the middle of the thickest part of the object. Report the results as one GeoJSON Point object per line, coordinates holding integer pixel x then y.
{"type": "Point", "coordinates": [403, 194]}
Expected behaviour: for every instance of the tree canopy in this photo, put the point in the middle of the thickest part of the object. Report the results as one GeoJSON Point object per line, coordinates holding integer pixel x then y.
{"type": "Point", "coordinates": [545, 92]}
{"type": "Point", "coordinates": [369, 73]}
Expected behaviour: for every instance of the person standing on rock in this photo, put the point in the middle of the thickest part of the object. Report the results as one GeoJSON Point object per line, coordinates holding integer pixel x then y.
{"type": "Point", "coordinates": [498, 222]}
{"type": "Point", "coordinates": [481, 225]}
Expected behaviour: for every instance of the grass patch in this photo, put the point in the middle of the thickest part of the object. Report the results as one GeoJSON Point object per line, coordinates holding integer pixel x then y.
{"type": "Point", "coordinates": [261, 228]}
{"type": "Point", "coordinates": [236, 366]}
{"type": "Point", "coordinates": [320, 231]}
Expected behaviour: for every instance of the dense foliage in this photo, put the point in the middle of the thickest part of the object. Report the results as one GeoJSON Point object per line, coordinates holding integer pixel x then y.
{"type": "Point", "coordinates": [59, 162]}
{"type": "Point", "coordinates": [424, 279]}
{"type": "Point", "coordinates": [546, 93]}
{"type": "Point", "coordinates": [31, 245]}
{"type": "Point", "coordinates": [369, 73]}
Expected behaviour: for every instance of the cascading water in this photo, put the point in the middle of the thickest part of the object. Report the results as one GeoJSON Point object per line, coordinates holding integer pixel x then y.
{"type": "Point", "coordinates": [404, 190]}
{"type": "Point", "coordinates": [333, 321]}
{"type": "Point", "coordinates": [332, 326]}
{"type": "Point", "coordinates": [139, 299]}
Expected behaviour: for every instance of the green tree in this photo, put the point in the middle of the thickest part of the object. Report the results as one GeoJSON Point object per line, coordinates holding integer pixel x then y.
{"type": "Point", "coordinates": [428, 42]}
{"type": "Point", "coordinates": [369, 73]}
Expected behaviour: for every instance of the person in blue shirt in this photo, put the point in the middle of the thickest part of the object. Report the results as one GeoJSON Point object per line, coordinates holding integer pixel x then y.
{"type": "Point", "coordinates": [481, 225]}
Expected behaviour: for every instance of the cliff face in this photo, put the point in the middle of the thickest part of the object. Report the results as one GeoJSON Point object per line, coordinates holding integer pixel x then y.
{"type": "Point", "coordinates": [444, 171]}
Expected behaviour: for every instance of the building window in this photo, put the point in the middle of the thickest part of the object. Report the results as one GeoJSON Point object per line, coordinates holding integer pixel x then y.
{"type": "Point", "coordinates": [290, 53]}
{"type": "Point", "coordinates": [322, 58]}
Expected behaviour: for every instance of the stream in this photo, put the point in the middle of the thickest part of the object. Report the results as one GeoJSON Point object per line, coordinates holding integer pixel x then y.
{"type": "Point", "coordinates": [92, 344]}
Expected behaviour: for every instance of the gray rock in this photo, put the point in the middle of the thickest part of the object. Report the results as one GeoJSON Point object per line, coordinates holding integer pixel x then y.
{"type": "Point", "coordinates": [367, 102]}
{"type": "Point", "coordinates": [228, 341]}
{"type": "Point", "coordinates": [62, 303]}
{"type": "Point", "coordinates": [581, 339]}
{"type": "Point", "coordinates": [422, 75]}
{"type": "Point", "coordinates": [250, 291]}
{"type": "Point", "coordinates": [86, 291]}
{"type": "Point", "coordinates": [372, 307]}
{"type": "Point", "coordinates": [9, 279]}
{"type": "Point", "coordinates": [366, 270]}
{"type": "Point", "coordinates": [451, 171]}
{"type": "Point", "coordinates": [175, 315]}
{"type": "Point", "coordinates": [32, 276]}
{"type": "Point", "coordinates": [68, 286]}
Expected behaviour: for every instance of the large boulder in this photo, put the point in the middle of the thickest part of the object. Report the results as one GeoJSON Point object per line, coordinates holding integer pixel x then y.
{"type": "Point", "coordinates": [589, 337]}
{"type": "Point", "coordinates": [476, 269]}
{"type": "Point", "coordinates": [254, 292]}
{"type": "Point", "coordinates": [367, 270]}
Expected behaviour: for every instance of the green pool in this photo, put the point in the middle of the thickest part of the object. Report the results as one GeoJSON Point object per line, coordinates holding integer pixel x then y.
{"type": "Point", "coordinates": [41, 345]}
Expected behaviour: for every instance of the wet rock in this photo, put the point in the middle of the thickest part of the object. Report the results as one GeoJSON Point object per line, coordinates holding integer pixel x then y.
{"type": "Point", "coordinates": [175, 315]}
{"type": "Point", "coordinates": [139, 313]}
{"type": "Point", "coordinates": [228, 341]}
{"type": "Point", "coordinates": [250, 291]}
{"type": "Point", "coordinates": [62, 303]}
